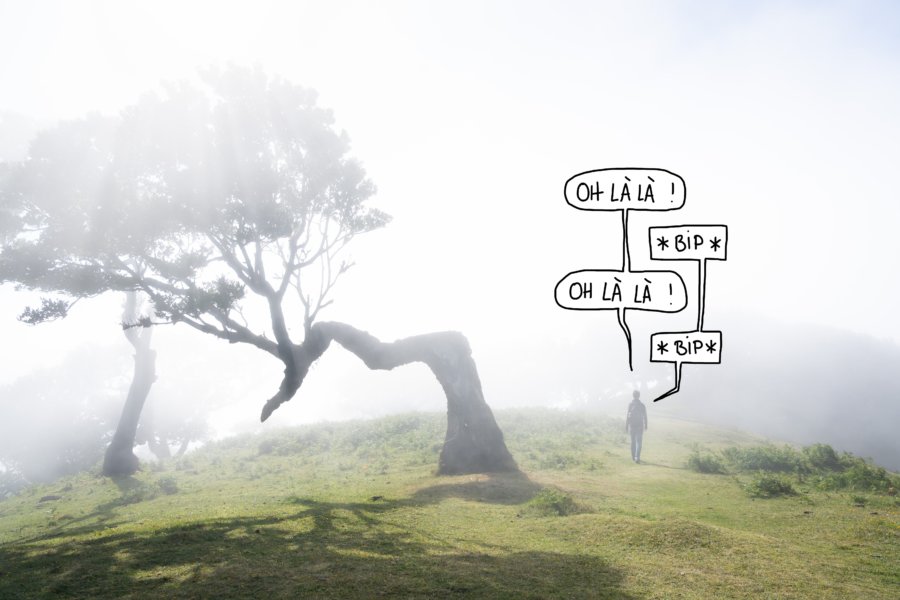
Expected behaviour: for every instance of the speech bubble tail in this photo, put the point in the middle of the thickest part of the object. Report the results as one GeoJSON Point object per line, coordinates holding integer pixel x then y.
{"type": "Point", "coordinates": [677, 387]}
{"type": "Point", "coordinates": [701, 285]}
{"type": "Point", "coordinates": [626, 249]}
{"type": "Point", "coordinates": [624, 326]}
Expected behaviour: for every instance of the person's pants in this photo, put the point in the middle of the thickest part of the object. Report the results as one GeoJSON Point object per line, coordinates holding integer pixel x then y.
{"type": "Point", "coordinates": [636, 438]}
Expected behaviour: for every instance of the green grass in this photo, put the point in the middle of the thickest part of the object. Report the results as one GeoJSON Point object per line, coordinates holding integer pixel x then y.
{"type": "Point", "coordinates": [355, 510]}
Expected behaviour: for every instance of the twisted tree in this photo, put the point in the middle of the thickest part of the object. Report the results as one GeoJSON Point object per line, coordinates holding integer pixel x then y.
{"type": "Point", "coordinates": [52, 241]}
{"type": "Point", "coordinates": [209, 197]}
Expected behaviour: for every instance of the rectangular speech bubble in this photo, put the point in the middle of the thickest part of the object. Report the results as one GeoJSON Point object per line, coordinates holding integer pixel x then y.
{"type": "Point", "coordinates": [626, 189]}
{"type": "Point", "coordinates": [689, 242]}
{"type": "Point", "coordinates": [593, 289]}
{"type": "Point", "coordinates": [691, 347]}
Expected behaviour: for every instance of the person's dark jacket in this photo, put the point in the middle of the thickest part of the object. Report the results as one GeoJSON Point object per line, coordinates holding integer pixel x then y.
{"type": "Point", "coordinates": [637, 416]}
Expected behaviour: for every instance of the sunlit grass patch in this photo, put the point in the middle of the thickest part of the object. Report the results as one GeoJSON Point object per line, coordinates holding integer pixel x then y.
{"type": "Point", "coordinates": [678, 534]}
{"type": "Point", "coordinates": [554, 502]}
{"type": "Point", "coordinates": [353, 512]}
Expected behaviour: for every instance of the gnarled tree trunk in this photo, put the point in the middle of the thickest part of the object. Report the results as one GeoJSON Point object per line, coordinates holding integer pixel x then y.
{"type": "Point", "coordinates": [159, 446]}
{"type": "Point", "coordinates": [473, 443]}
{"type": "Point", "coordinates": [147, 433]}
{"type": "Point", "coordinates": [119, 459]}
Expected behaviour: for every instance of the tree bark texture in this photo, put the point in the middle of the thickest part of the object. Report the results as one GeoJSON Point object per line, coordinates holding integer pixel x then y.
{"type": "Point", "coordinates": [159, 446]}
{"type": "Point", "coordinates": [120, 460]}
{"type": "Point", "coordinates": [473, 443]}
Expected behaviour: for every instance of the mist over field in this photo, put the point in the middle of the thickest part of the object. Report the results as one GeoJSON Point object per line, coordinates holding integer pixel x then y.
{"type": "Point", "coordinates": [481, 232]}
{"type": "Point", "coordinates": [220, 221]}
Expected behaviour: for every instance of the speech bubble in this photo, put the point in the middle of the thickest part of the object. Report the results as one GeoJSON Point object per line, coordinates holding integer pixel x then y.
{"type": "Point", "coordinates": [608, 289]}
{"type": "Point", "coordinates": [692, 347]}
{"type": "Point", "coordinates": [689, 242]}
{"type": "Point", "coordinates": [620, 290]}
{"type": "Point", "coordinates": [626, 189]}
{"type": "Point", "coordinates": [685, 347]}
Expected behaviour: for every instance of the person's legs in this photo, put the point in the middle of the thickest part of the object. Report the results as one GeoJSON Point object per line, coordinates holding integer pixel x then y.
{"type": "Point", "coordinates": [636, 439]}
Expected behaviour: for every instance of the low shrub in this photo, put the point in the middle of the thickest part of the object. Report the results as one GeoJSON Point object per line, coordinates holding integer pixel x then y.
{"type": "Point", "coordinates": [705, 463]}
{"type": "Point", "coordinates": [775, 459]}
{"type": "Point", "coordinates": [167, 485]}
{"type": "Point", "coordinates": [822, 457]}
{"type": "Point", "coordinates": [859, 476]}
{"type": "Point", "coordinates": [764, 485]}
{"type": "Point", "coordinates": [137, 492]}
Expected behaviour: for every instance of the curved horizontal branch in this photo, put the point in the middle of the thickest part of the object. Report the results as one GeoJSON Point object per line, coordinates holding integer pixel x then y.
{"type": "Point", "coordinates": [474, 442]}
{"type": "Point", "coordinates": [433, 349]}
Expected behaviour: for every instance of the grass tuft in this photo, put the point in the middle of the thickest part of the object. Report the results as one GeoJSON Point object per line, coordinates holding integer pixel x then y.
{"type": "Point", "coordinates": [767, 485]}
{"type": "Point", "coordinates": [705, 462]}
{"type": "Point", "coordinates": [553, 502]}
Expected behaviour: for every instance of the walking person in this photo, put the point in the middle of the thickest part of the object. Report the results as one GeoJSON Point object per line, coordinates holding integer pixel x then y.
{"type": "Point", "coordinates": [636, 423]}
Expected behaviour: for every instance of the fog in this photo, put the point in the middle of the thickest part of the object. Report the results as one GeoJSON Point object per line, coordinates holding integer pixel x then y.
{"type": "Point", "coordinates": [469, 117]}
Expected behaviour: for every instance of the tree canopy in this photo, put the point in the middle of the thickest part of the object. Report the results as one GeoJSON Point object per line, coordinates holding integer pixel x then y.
{"type": "Point", "coordinates": [205, 194]}
{"type": "Point", "coordinates": [195, 196]}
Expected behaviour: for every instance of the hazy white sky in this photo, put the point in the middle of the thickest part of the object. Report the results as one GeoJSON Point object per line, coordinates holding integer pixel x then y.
{"type": "Point", "coordinates": [469, 116]}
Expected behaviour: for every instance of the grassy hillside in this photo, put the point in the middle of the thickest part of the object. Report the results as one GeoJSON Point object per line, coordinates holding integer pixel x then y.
{"type": "Point", "coordinates": [354, 510]}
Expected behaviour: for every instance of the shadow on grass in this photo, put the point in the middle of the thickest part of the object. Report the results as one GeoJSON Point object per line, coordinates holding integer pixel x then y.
{"type": "Point", "coordinates": [131, 490]}
{"type": "Point", "coordinates": [495, 488]}
{"type": "Point", "coordinates": [321, 550]}
{"type": "Point", "coordinates": [324, 550]}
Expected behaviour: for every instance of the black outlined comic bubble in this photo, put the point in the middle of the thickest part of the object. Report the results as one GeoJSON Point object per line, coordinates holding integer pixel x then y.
{"type": "Point", "coordinates": [685, 347]}
{"type": "Point", "coordinates": [620, 290]}
{"type": "Point", "coordinates": [613, 289]}
{"type": "Point", "coordinates": [699, 243]}
{"type": "Point", "coordinates": [692, 347]}
{"type": "Point", "coordinates": [689, 242]}
{"type": "Point", "coordinates": [626, 189]}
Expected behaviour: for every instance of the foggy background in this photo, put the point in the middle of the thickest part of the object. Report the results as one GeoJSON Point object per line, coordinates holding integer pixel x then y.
{"type": "Point", "coordinates": [469, 117]}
